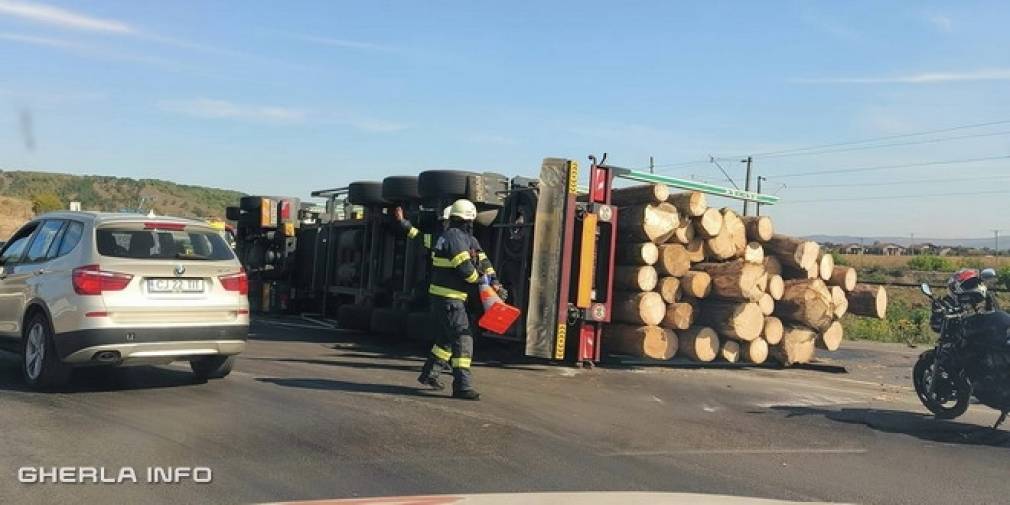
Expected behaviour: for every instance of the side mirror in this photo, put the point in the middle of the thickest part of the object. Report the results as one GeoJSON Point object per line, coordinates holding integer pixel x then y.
{"type": "Point", "coordinates": [926, 290]}
{"type": "Point", "coordinates": [988, 274]}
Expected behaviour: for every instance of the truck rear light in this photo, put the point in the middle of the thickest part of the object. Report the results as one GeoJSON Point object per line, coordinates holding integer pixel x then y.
{"type": "Point", "coordinates": [92, 280]}
{"type": "Point", "coordinates": [235, 282]}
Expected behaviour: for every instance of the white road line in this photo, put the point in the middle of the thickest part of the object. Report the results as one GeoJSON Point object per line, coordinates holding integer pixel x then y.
{"type": "Point", "coordinates": [802, 450]}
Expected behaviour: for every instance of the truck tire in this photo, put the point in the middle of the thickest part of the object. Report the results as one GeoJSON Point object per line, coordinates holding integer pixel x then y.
{"type": "Point", "coordinates": [443, 183]}
{"type": "Point", "coordinates": [400, 188]}
{"type": "Point", "coordinates": [368, 193]}
{"type": "Point", "coordinates": [212, 367]}
{"type": "Point", "coordinates": [388, 322]}
{"type": "Point", "coordinates": [421, 327]}
{"type": "Point", "coordinates": [233, 213]}
{"type": "Point", "coordinates": [250, 203]}
{"type": "Point", "coordinates": [354, 317]}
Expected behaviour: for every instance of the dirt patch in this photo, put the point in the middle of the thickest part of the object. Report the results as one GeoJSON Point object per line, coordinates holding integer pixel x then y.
{"type": "Point", "coordinates": [14, 212]}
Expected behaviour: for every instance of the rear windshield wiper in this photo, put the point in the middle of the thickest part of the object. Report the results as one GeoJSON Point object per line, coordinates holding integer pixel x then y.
{"type": "Point", "coordinates": [184, 256]}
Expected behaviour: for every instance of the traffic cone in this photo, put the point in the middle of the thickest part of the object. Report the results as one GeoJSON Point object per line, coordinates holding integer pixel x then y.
{"type": "Point", "coordinates": [498, 315]}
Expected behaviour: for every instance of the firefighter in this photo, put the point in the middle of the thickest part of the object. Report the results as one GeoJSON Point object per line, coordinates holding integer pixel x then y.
{"type": "Point", "coordinates": [458, 266]}
{"type": "Point", "coordinates": [412, 232]}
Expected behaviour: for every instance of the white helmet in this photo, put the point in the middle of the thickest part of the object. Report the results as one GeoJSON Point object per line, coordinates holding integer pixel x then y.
{"type": "Point", "coordinates": [463, 209]}
{"type": "Point", "coordinates": [445, 213]}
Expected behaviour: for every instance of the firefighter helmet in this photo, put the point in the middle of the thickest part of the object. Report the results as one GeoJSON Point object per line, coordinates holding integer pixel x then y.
{"type": "Point", "coordinates": [445, 213]}
{"type": "Point", "coordinates": [463, 209]}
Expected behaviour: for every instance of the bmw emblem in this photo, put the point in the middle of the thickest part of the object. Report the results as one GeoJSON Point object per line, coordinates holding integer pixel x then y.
{"type": "Point", "coordinates": [179, 270]}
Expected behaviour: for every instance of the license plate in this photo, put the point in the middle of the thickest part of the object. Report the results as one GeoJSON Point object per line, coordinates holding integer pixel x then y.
{"type": "Point", "coordinates": [175, 285]}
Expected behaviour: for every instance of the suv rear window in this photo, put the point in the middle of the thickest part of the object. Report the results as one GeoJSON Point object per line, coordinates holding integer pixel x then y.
{"type": "Point", "coordinates": [162, 244]}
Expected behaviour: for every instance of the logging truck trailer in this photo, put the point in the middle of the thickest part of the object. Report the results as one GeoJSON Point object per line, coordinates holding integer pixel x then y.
{"type": "Point", "coordinates": [552, 243]}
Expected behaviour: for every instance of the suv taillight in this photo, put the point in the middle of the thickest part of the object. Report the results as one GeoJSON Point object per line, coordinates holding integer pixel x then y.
{"type": "Point", "coordinates": [92, 280]}
{"type": "Point", "coordinates": [235, 282]}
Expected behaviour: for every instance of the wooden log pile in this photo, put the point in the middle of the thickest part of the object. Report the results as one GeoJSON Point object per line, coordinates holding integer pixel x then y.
{"type": "Point", "coordinates": [709, 284]}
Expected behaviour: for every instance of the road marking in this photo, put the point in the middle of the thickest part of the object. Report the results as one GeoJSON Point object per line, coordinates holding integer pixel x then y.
{"type": "Point", "coordinates": [678, 452]}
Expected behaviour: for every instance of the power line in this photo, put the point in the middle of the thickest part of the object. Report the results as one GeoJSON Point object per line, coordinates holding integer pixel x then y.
{"type": "Point", "coordinates": [902, 183]}
{"type": "Point", "coordinates": [885, 167]}
{"type": "Point", "coordinates": [888, 137]}
{"type": "Point", "coordinates": [894, 144]}
{"type": "Point", "coordinates": [894, 197]}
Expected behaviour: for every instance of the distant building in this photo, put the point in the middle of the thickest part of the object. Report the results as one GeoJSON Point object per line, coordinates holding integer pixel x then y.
{"type": "Point", "coordinates": [852, 249]}
{"type": "Point", "coordinates": [886, 249]}
{"type": "Point", "coordinates": [923, 248]}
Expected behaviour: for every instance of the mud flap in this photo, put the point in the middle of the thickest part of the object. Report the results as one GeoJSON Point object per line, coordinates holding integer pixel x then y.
{"type": "Point", "coordinates": [546, 330]}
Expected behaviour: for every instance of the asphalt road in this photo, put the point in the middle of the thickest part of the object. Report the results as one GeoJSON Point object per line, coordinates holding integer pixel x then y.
{"type": "Point", "coordinates": [318, 413]}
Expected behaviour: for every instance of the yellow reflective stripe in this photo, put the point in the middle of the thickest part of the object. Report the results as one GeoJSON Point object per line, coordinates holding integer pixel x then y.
{"type": "Point", "coordinates": [460, 362]}
{"type": "Point", "coordinates": [441, 263]}
{"type": "Point", "coordinates": [472, 278]}
{"type": "Point", "coordinates": [445, 292]}
{"type": "Point", "coordinates": [481, 256]}
{"type": "Point", "coordinates": [412, 232]}
{"type": "Point", "coordinates": [427, 241]}
{"type": "Point", "coordinates": [458, 259]}
{"type": "Point", "coordinates": [489, 271]}
{"type": "Point", "coordinates": [441, 353]}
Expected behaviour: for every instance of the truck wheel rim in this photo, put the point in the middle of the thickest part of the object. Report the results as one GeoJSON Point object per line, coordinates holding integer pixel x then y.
{"type": "Point", "coordinates": [35, 351]}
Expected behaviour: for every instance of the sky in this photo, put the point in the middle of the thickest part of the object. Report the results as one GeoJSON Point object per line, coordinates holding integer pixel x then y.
{"type": "Point", "coordinates": [283, 98]}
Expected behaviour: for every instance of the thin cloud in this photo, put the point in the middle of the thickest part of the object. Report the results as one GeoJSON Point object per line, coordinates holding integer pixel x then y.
{"type": "Point", "coordinates": [81, 49]}
{"type": "Point", "coordinates": [940, 22]}
{"type": "Point", "coordinates": [992, 74]}
{"type": "Point", "coordinates": [207, 108]}
{"type": "Point", "coordinates": [51, 15]}
{"type": "Point", "coordinates": [346, 44]}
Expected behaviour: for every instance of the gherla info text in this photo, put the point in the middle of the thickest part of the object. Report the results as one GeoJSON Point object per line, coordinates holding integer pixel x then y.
{"type": "Point", "coordinates": [118, 475]}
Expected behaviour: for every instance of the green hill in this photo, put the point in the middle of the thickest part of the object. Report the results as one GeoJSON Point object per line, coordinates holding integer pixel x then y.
{"type": "Point", "coordinates": [104, 193]}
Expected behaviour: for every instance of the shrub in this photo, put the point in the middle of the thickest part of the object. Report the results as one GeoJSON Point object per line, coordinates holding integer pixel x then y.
{"type": "Point", "coordinates": [839, 259]}
{"type": "Point", "coordinates": [929, 263]}
{"type": "Point", "coordinates": [46, 202]}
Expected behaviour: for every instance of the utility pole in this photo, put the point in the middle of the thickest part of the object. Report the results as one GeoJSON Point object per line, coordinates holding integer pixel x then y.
{"type": "Point", "coordinates": [995, 235]}
{"type": "Point", "coordinates": [652, 165]}
{"type": "Point", "coordinates": [758, 205]}
{"type": "Point", "coordinates": [746, 183]}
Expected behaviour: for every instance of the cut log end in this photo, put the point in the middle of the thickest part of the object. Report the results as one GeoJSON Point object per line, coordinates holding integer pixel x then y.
{"type": "Point", "coordinates": [773, 329]}
{"type": "Point", "coordinates": [709, 223]}
{"type": "Point", "coordinates": [767, 304]}
{"type": "Point", "coordinates": [826, 267]}
{"type": "Point", "coordinates": [699, 343]}
{"type": "Point", "coordinates": [638, 308]}
{"type": "Point", "coordinates": [831, 338]}
{"type": "Point", "coordinates": [755, 351]}
{"type": "Point", "coordinates": [730, 351]}
{"type": "Point", "coordinates": [754, 253]}
{"type": "Point", "coordinates": [844, 277]}
{"type": "Point", "coordinates": [740, 321]}
{"type": "Point", "coordinates": [690, 203]}
{"type": "Point", "coordinates": [868, 300]}
{"type": "Point", "coordinates": [635, 278]}
{"type": "Point", "coordinates": [759, 228]}
{"type": "Point", "coordinates": [640, 341]}
{"type": "Point", "coordinates": [644, 253]}
{"type": "Point", "coordinates": [696, 284]}
{"type": "Point", "coordinates": [775, 286]}
{"type": "Point", "coordinates": [669, 289]}
{"type": "Point", "coordinates": [679, 316]}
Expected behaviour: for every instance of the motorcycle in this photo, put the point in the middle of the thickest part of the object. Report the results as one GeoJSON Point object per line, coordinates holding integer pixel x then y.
{"type": "Point", "coordinates": [972, 354]}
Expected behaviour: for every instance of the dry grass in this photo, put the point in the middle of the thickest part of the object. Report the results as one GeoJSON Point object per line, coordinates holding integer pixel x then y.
{"type": "Point", "coordinates": [13, 213]}
{"type": "Point", "coordinates": [873, 260]}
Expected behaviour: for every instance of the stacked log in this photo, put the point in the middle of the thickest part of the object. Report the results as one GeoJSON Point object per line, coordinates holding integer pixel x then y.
{"type": "Point", "coordinates": [724, 286]}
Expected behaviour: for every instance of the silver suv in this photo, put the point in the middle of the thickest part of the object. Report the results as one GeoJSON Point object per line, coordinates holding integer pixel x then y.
{"type": "Point", "coordinates": [84, 288]}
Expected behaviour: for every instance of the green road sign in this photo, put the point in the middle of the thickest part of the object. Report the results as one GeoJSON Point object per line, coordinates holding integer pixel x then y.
{"type": "Point", "coordinates": [711, 189]}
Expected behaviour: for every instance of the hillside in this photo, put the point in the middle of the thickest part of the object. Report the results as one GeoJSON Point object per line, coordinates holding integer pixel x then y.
{"type": "Point", "coordinates": [106, 193]}
{"type": "Point", "coordinates": [978, 243]}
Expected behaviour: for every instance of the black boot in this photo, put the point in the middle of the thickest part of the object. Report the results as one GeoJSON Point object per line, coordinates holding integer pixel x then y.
{"type": "Point", "coordinates": [466, 394]}
{"type": "Point", "coordinates": [430, 372]}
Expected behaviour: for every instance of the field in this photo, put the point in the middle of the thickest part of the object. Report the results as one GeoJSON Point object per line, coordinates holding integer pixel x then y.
{"type": "Point", "coordinates": [872, 260]}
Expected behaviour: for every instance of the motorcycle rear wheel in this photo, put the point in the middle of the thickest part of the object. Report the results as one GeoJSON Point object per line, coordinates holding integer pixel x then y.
{"type": "Point", "coordinates": [950, 398]}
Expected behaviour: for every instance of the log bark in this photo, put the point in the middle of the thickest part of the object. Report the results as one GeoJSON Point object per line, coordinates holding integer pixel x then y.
{"type": "Point", "coordinates": [797, 346]}
{"type": "Point", "coordinates": [806, 301]}
{"type": "Point", "coordinates": [772, 332]}
{"type": "Point", "coordinates": [635, 278]}
{"type": "Point", "coordinates": [689, 203]}
{"type": "Point", "coordinates": [696, 250]}
{"type": "Point", "coordinates": [644, 253]}
{"type": "Point", "coordinates": [640, 341]}
{"type": "Point", "coordinates": [791, 272]}
{"type": "Point", "coordinates": [740, 321]}
{"type": "Point", "coordinates": [759, 228]}
{"type": "Point", "coordinates": [699, 343]}
{"type": "Point", "coordinates": [720, 247]}
{"type": "Point", "coordinates": [754, 253]}
{"type": "Point", "coordinates": [831, 338]}
{"type": "Point", "coordinates": [647, 223]}
{"type": "Point", "coordinates": [839, 303]}
{"type": "Point", "coordinates": [730, 351]}
{"type": "Point", "coordinates": [679, 316]}
{"type": "Point", "coordinates": [732, 224]}
{"type": "Point", "coordinates": [772, 264]}
{"type": "Point", "coordinates": [638, 308]}
{"type": "Point", "coordinates": [669, 289]}
{"type": "Point", "coordinates": [775, 286]}
{"type": "Point", "coordinates": [734, 280]}
{"type": "Point", "coordinates": [709, 223]}
{"type": "Point", "coordinates": [767, 304]}
{"type": "Point", "coordinates": [868, 300]}
{"type": "Point", "coordinates": [641, 194]}
{"type": "Point", "coordinates": [673, 260]}
{"type": "Point", "coordinates": [793, 252]}
{"type": "Point", "coordinates": [696, 284]}
{"type": "Point", "coordinates": [844, 277]}
{"type": "Point", "coordinates": [755, 351]}
{"type": "Point", "coordinates": [825, 266]}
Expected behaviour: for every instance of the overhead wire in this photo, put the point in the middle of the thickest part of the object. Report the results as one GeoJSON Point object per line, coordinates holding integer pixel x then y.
{"type": "Point", "coordinates": [886, 167]}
